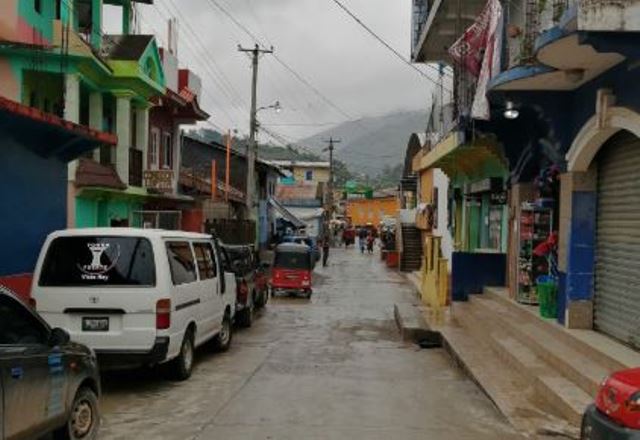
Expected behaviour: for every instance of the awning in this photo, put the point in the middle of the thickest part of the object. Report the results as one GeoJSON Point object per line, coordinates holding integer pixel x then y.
{"type": "Point", "coordinates": [467, 160]}
{"type": "Point", "coordinates": [286, 214]}
{"type": "Point", "coordinates": [48, 135]}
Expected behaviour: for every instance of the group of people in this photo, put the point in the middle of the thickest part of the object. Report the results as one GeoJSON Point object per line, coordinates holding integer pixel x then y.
{"type": "Point", "coordinates": [366, 239]}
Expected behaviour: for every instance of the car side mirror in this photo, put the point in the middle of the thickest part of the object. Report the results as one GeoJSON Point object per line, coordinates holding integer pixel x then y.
{"type": "Point", "coordinates": [59, 337]}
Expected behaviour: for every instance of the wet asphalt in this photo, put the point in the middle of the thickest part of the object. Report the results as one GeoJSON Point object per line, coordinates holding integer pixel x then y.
{"type": "Point", "coordinates": [332, 367]}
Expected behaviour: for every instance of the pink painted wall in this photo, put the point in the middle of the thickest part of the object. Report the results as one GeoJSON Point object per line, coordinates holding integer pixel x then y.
{"type": "Point", "coordinates": [9, 84]}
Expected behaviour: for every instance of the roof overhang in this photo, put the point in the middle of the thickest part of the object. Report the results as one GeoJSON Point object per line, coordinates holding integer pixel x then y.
{"type": "Point", "coordinates": [48, 135]}
{"type": "Point", "coordinates": [463, 159]}
{"type": "Point", "coordinates": [443, 27]}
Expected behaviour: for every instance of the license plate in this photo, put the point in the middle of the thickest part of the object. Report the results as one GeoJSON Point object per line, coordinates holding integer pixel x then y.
{"type": "Point", "coordinates": [95, 324]}
{"type": "Point", "coordinates": [292, 277]}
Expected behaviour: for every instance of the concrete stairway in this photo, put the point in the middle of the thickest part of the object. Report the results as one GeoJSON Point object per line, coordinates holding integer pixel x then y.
{"type": "Point", "coordinates": [530, 365]}
{"type": "Point", "coordinates": [411, 257]}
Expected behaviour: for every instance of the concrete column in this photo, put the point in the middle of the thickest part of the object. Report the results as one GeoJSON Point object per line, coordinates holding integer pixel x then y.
{"type": "Point", "coordinates": [72, 114]}
{"type": "Point", "coordinates": [576, 247]}
{"type": "Point", "coordinates": [96, 117]}
{"type": "Point", "coordinates": [72, 98]}
{"type": "Point", "coordinates": [123, 130]}
{"type": "Point", "coordinates": [177, 156]}
{"type": "Point", "coordinates": [142, 133]}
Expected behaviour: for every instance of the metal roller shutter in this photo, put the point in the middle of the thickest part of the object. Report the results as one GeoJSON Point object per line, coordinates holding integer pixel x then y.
{"type": "Point", "coordinates": [617, 271]}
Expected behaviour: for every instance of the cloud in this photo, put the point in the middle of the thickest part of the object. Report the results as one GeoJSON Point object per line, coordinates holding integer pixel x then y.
{"type": "Point", "coordinates": [315, 38]}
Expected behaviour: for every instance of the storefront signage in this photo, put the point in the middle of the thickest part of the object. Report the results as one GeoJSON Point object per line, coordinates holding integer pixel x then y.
{"type": "Point", "coordinates": [486, 185]}
{"type": "Point", "coordinates": [159, 180]}
{"type": "Point", "coordinates": [498, 198]}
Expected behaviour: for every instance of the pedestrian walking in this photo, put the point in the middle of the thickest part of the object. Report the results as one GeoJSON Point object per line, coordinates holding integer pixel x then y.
{"type": "Point", "coordinates": [325, 251]}
{"type": "Point", "coordinates": [370, 241]}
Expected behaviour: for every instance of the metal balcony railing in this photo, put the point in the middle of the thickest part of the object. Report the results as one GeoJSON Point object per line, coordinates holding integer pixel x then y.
{"type": "Point", "coordinates": [135, 167]}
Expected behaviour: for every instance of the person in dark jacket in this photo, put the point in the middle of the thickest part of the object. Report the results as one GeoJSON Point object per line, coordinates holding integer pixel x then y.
{"type": "Point", "coordinates": [325, 251]}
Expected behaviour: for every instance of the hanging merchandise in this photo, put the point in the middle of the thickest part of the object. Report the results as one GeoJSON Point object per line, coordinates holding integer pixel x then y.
{"type": "Point", "coordinates": [536, 226]}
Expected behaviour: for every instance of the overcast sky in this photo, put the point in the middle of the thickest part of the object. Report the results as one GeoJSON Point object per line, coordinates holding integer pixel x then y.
{"type": "Point", "coordinates": [314, 37]}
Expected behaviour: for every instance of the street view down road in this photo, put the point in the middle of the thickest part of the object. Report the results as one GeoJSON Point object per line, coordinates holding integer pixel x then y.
{"type": "Point", "coordinates": [333, 367]}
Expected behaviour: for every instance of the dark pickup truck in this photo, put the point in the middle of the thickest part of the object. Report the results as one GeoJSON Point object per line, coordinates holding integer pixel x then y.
{"type": "Point", "coordinates": [251, 279]}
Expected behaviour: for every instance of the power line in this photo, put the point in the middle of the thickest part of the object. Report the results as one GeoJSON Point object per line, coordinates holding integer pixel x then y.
{"type": "Point", "coordinates": [298, 76]}
{"type": "Point", "coordinates": [385, 44]}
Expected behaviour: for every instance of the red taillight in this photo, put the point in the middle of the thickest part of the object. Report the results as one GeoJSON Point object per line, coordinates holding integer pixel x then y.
{"type": "Point", "coordinates": [163, 314]}
{"type": "Point", "coordinates": [243, 292]}
{"type": "Point", "coordinates": [32, 303]}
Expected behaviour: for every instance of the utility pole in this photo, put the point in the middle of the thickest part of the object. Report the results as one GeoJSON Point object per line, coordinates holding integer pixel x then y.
{"type": "Point", "coordinates": [252, 150]}
{"type": "Point", "coordinates": [329, 210]}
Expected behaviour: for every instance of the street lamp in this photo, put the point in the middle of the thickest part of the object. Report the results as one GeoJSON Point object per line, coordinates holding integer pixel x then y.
{"type": "Point", "coordinates": [510, 111]}
{"type": "Point", "coordinates": [276, 106]}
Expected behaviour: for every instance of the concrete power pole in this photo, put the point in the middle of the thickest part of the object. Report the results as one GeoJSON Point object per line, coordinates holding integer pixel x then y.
{"type": "Point", "coordinates": [252, 151]}
{"type": "Point", "coordinates": [330, 200]}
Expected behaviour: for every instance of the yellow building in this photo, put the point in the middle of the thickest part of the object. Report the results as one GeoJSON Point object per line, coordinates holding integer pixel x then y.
{"type": "Point", "coordinates": [363, 211]}
{"type": "Point", "coordinates": [303, 171]}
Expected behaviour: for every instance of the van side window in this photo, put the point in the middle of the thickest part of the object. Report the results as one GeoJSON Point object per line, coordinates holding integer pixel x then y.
{"type": "Point", "coordinates": [183, 267]}
{"type": "Point", "coordinates": [206, 260]}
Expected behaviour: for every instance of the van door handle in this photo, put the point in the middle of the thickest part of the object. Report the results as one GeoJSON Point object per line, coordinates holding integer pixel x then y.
{"type": "Point", "coordinates": [17, 373]}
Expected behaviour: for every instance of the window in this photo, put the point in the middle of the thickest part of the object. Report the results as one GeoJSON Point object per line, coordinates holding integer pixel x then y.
{"type": "Point", "coordinates": [154, 147]}
{"type": "Point", "coordinates": [167, 151]}
{"type": "Point", "coordinates": [292, 261]}
{"type": "Point", "coordinates": [18, 326]}
{"type": "Point", "coordinates": [183, 267]}
{"type": "Point", "coordinates": [308, 175]}
{"type": "Point", "coordinates": [99, 261]}
{"type": "Point", "coordinates": [37, 5]}
{"type": "Point", "coordinates": [58, 9]}
{"type": "Point", "coordinates": [206, 260]}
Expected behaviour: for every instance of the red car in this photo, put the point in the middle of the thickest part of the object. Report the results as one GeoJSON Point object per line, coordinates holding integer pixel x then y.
{"type": "Point", "coordinates": [615, 415]}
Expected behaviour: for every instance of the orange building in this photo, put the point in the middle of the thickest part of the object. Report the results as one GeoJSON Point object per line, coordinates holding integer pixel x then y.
{"type": "Point", "coordinates": [363, 211]}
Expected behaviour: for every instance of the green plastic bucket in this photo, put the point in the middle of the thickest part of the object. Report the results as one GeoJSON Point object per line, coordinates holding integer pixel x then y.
{"type": "Point", "coordinates": [547, 289]}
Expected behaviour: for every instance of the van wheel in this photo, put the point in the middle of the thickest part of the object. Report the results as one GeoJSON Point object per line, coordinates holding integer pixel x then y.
{"type": "Point", "coordinates": [84, 419]}
{"type": "Point", "coordinates": [182, 366]}
{"type": "Point", "coordinates": [246, 315]}
{"type": "Point", "coordinates": [222, 341]}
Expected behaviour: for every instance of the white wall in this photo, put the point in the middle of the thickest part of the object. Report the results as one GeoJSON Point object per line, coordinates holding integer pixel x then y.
{"type": "Point", "coordinates": [441, 181]}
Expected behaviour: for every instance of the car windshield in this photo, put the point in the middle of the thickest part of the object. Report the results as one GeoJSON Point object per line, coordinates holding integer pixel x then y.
{"type": "Point", "coordinates": [98, 261]}
{"type": "Point", "coordinates": [292, 260]}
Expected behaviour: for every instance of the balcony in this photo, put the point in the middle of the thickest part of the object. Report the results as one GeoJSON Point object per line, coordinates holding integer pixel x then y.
{"type": "Point", "coordinates": [135, 167]}
{"type": "Point", "coordinates": [437, 24]}
{"type": "Point", "coordinates": [160, 181]}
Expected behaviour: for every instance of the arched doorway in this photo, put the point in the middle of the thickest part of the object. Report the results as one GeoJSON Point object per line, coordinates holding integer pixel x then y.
{"type": "Point", "coordinates": [616, 303]}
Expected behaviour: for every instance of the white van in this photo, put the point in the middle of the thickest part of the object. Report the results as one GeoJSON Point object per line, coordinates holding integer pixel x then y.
{"type": "Point", "coordinates": [135, 296]}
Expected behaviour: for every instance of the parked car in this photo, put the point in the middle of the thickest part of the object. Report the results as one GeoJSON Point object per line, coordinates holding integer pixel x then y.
{"type": "Point", "coordinates": [252, 286]}
{"type": "Point", "coordinates": [312, 242]}
{"type": "Point", "coordinates": [615, 415]}
{"type": "Point", "coordinates": [137, 297]}
{"type": "Point", "coordinates": [48, 384]}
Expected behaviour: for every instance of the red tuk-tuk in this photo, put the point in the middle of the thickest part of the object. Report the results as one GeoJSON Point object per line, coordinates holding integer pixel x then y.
{"type": "Point", "coordinates": [292, 267]}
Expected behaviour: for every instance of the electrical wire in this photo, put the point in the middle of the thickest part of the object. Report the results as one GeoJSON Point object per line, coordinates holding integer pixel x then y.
{"type": "Point", "coordinates": [298, 76]}
{"type": "Point", "coordinates": [387, 45]}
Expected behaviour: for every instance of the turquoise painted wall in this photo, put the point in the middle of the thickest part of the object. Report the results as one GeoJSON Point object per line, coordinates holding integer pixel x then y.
{"type": "Point", "coordinates": [86, 213]}
{"type": "Point", "coordinates": [92, 213]}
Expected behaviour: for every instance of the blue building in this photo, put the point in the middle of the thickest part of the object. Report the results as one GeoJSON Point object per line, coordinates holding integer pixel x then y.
{"type": "Point", "coordinates": [563, 135]}
{"type": "Point", "coordinates": [36, 148]}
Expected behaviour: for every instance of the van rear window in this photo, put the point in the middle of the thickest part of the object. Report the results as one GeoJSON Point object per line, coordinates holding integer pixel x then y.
{"type": "Point", "coordinates": [98, 261]}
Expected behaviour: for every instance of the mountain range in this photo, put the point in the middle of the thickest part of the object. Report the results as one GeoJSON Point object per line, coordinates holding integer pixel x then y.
{"type": "Point", "coordinates": [370, 143]}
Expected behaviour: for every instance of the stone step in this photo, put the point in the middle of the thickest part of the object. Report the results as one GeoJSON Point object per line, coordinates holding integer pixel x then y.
{"type": "Point", "coordinates": [564, 396]}
{"type": "Point", "coordinates": [504, 385]}
{"type": "Point", "coordinates": [605, 351]}
{"type": "Point", "coordinates": [582, 370]}
{"type": "Point", "coordinates": [567, 402]}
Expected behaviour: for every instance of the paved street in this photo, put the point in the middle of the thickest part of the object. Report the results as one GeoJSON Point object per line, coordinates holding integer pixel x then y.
{"type": "Point", "coordinates": [331, 368]}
